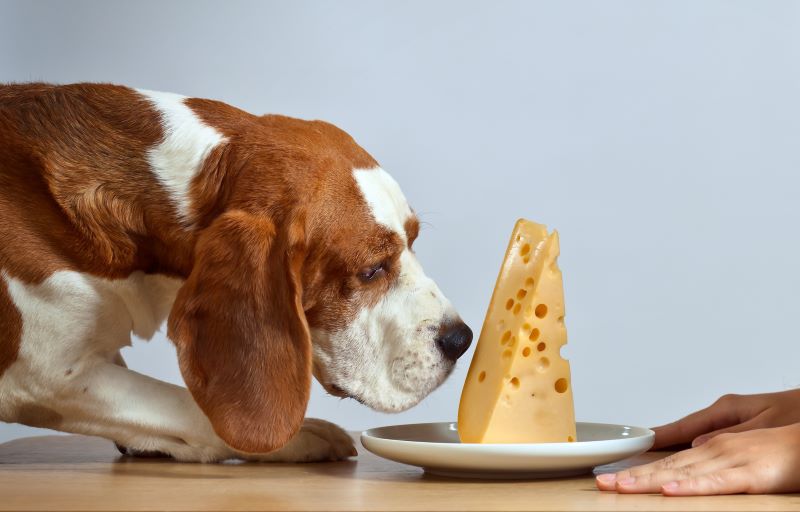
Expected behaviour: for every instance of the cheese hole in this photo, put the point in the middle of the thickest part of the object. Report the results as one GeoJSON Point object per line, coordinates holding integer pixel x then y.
{"type": "Point", "coordinates": [526, 326]}
{"type": "Point", "coordinates": [528, 310]}
{"type": "Point", "coordinates": [509, 303]}
{"type": "Point", "coordinates": [521, 294]}
{"type": "Point", "coordinates": [534, 335]}
{"type": "Point", "coordinates": [543, 365]}
{"type": "Point", "coordinates": [505, 338]}
{"type": "Point", "coordinates": [512, 342]}
{"type": "Point", "coordinates": [515, 383]}
{"type": "Point", "coordinates": [540, 311]}
{"type": "Point", "coordinates": [561, 385]}
{"type": "Point", "coordinates": [481, 376]}
{"type": "Point", "coordinates": [517, 308]}
{"type": "Point", "coordinates": [570, 439]}
{"type": "Point", "coordinates": [519, 237]}
{"type": "Point", "coordinates": [526, 259]}
{"type": "Point", "coordinates": [501, 325]}
{"type": "Point", "coordinates": [541, 346]}
{"type": "Point", "coordinates": [526, 351]}
{"type": "Point", "coordinates": [529, 282]}
{"type": "Point", "coordinates": [506, 353]}
{"type": "Point", "coordinates": [525, 249]}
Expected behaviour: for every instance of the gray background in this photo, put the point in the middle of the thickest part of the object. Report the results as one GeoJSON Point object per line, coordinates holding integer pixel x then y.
{"type": "Point", "coordinates": [660, 138]}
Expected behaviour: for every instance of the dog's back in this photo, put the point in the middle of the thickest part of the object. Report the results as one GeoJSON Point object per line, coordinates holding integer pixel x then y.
{"type": "Point", "coordinates": [74, 178]}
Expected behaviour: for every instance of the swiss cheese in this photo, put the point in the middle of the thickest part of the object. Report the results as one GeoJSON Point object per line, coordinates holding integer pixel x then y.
{"type": "Point", "coordinates": [518, 388]}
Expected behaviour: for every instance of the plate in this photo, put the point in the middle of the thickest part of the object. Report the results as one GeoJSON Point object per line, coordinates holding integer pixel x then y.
{"type": "Point", "coordinates": [435, 448]}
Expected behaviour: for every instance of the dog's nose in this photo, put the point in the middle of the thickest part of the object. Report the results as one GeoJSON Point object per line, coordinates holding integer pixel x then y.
{"type": "Point", "coordinates": [454, 340]}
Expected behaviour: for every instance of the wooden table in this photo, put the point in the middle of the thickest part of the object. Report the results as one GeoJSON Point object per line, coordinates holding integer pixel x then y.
{"type": "Point", "coordinates": [86, 473]}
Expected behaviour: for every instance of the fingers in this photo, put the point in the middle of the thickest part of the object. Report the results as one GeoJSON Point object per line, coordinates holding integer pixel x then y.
{"type": "Point", "coordinates": [726, 481]}
{"type": "Point", "coordinates": [676, 460]}
{"type": "Point", "coordinates": [653, 482]}
{"type": "Point", "coordinates": [720, 415]}
{"type": "Point", "coordinates": [741, 427]}
{"type": "Point", "coordinates": [680, 476]}
{"type": "Point", "coordinates": [671, 465]}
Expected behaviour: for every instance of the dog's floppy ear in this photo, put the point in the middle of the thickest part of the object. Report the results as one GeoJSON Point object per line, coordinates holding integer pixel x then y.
{"type": "Point", "coordinates": [241, 334]}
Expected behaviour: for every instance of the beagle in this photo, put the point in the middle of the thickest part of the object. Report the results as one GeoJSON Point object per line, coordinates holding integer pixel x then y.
{"type": "Point", "coordinates": [275, 248]}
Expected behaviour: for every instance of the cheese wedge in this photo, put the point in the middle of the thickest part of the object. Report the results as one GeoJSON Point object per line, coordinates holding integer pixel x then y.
{"type": "Point", "coordinates": [518, 389]}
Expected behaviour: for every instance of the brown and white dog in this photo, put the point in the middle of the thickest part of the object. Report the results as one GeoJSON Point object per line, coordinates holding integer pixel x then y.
{"type": "Point", "coordinates": [275, 248]}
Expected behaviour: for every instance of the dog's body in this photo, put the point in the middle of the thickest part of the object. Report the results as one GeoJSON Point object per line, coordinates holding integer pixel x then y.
{"type": "Point", "coordinates": [275, 248]}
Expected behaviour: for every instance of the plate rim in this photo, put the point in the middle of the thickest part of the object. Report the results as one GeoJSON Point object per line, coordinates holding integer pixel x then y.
{"type": "Point", "coordinates": [647, 434]}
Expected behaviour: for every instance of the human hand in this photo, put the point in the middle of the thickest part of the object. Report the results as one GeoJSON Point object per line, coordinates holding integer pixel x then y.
{"type": "Point", "coordinates": [755, 462]}
{"type": "Point", "coordinates": [732, 413]}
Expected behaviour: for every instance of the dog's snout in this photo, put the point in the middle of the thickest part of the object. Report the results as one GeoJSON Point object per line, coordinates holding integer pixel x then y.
{"type": "Point", "coordinates": [454, 340]}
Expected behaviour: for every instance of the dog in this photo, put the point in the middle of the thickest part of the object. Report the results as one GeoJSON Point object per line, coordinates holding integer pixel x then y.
{"type": "Point", "coordinates": [275, 249]}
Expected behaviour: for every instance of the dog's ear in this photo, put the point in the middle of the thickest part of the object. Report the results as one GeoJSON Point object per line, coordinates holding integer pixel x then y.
{"type": "Point", "coordinates": [241, 334]}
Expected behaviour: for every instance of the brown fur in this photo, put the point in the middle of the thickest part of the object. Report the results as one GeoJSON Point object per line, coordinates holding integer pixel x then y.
{"type": "Point", "coordinates": [38, 416]}
{"type": "Point", "coordinates": [242, 304]}
{"type": "Point", "coordinates": [412, 230]}
{"type": "Point", "coordinates": [75, 183]}
{"type": "Point", "coordinates": [278, 236]}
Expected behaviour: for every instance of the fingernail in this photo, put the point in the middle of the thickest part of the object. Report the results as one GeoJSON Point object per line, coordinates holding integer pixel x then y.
{"type": "Point", "coordinates": [698, 441]}
{"type": "Point", "coordinates": [607, 478]}
{"type": "Point", "coordinates": [670, 486]}
{"type": "Point", "coordinates": [627, 481]}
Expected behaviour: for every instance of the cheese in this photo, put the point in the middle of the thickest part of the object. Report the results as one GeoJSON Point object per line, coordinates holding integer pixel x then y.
{"type": "Point", "coordinates": [518, 388]}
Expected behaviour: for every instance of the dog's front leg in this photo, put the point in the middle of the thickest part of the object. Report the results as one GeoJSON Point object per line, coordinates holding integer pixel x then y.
{"type": "Point", "coordinates": [147, 415]}
{"type": "Point", "coordinates": [136, 411]}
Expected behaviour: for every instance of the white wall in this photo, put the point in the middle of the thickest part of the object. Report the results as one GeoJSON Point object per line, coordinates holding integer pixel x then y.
{"type": "Point", "coordinates": [661, 138]}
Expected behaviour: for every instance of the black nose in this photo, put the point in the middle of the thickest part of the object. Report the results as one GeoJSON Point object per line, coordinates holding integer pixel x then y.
{"type": "Point", "coordinates": [454, 339]}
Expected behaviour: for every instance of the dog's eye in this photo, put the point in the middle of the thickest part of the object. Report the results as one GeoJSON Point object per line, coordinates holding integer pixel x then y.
{"type": "Point", "coordinates": [370, 273]}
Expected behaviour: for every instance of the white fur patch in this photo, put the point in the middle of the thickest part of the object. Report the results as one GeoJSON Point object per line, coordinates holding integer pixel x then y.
{"type": "Point", "coordinates": [178, 158]}
{"type": "Point", "coordinates": [384, 198]}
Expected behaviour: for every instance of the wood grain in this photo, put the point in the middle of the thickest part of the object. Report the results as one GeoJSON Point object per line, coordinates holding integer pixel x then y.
{"type": "Point", "coordinates": [86, 473]}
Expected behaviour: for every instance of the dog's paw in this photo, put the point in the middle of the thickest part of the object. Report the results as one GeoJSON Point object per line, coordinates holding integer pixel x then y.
{"type": "Point", "coordinates": [317, 440]}
{"type": "Point", "coordinates": [129, 452]}
{"type": "Point", "coordinates": [208, 450]}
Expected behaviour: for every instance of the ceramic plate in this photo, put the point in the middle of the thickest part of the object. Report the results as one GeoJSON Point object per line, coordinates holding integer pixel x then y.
{"type": "Point", "coordinates": [435, 447]}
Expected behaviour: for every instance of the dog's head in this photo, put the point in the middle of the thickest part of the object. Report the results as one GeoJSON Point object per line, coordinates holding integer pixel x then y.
{"type": "Point", "coordinates": [310, 269]}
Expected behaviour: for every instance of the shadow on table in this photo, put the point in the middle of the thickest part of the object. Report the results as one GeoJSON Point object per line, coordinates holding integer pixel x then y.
{"type": "Point", "coordinates": [387, 471]}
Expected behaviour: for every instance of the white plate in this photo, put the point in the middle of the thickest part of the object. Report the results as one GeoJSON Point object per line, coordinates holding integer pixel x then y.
{"type": "Point", "coordinates": [435, 447]}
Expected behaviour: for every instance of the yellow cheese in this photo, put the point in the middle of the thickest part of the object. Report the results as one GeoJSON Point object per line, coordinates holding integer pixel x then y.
{"type": "Point", "coordinates": [518, 389]}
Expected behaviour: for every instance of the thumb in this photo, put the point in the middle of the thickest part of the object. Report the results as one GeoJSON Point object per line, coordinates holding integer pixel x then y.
{"type": "Point", "coordinates": [693, 425]}
{"type": "Point", "coordinates": [750, 424]}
